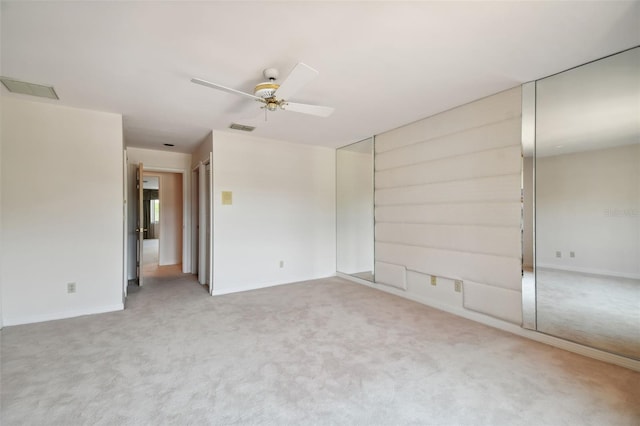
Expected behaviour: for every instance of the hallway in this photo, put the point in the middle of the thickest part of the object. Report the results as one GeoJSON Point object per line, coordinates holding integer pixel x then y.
{"type": "Point", "coordinates": [150, 266]}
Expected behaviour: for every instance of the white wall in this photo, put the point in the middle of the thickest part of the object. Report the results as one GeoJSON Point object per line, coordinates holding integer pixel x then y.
{"type": "Point", "coordinates": [170, 249]}
{"type": "Point", "coordinates": [155, 160]}
{"type": "Point", "coordinates": [354, 211]}
{"type": "Point", "coordinates": [62, 211]}
{"type": "Point", "coordinates": [202, 151]}
{"type": "Point", "coordinates": [283, 210]}
{"type": "Point", "coordinates": [589, 203]}
{"type": "Point", "coordinates": [448, 204]}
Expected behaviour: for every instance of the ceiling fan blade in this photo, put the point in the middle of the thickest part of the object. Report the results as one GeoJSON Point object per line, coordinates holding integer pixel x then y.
{"type": "Point", "coordinates": [225, 89]}
{"type": "Point", "coordinates": [320, 111]}
{"type": "Point", "coordinates": [297, 78]}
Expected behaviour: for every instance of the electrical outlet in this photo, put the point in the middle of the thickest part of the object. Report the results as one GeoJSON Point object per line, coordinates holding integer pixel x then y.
{"type": "Point", "coordinates": [572, 254]}
{"type": "Point", "coordinates": [282, 263]}
{"type": "Point", "coordinates": [457, 285]}
{"type": "Point", "coordinates": [558, 254]}
{"type": "Point", "coordinates": [433, 280]}
{"type": "Point", "coordinates": [71, 287]}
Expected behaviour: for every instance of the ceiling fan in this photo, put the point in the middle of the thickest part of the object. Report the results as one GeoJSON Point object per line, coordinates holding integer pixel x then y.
{"type": "Point", "coordinates": [274, 95]}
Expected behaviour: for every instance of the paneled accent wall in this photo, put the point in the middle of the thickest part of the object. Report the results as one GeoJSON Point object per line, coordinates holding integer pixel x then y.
{"type": "Point", "coordinates": [447, 203]}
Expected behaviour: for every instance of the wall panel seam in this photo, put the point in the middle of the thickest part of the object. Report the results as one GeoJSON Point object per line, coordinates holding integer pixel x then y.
{"type": "Point", "coordinates": [463, 130]}
{"type": "Point", "coordinates": [423, 203]}
{"type": "Point", "coordinates": [395, 243]}
{"type": "Point", "coordinates": [444, 203]}
{"type": "Point", "coordinates": [469, 224]}
{"type": "Point", "coordinates": [473, 179]}
{"type": "Point", "coordinates": [447, 157]}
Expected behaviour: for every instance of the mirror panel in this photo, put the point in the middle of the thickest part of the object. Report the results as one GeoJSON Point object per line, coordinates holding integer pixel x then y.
{"type": "Point", "coordinates": [354, 210]}
{"type": "Point", "coordinates": [587, 204]}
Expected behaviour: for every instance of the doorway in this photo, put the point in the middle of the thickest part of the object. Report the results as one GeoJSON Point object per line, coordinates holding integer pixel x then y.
{"type": "Point", "coordinates": [162, 217]}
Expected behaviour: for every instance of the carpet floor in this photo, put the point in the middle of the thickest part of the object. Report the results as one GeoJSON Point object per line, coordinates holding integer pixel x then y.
{"type": "Point", "coordinates": [594, 310]}
{"type": "Point", "coordinates": [322, 352]}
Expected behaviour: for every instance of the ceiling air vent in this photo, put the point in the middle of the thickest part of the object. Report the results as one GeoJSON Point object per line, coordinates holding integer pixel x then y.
{"type": "Point", "coordinates": [236, 126]}
{"type": "Point", "coordinates": [15, 86]}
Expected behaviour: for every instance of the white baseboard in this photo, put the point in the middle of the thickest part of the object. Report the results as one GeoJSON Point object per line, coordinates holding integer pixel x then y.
{"type": "Point", "coordinates": [591, 271]}
{"type": "Point", "coordinates": [30, 319]}
{"type": "Point", "coordinates": [355, 279]}
{"type": "Point", "coordinates": [259, 286]}
{"type": "Point", "coordinates": [508, 327]}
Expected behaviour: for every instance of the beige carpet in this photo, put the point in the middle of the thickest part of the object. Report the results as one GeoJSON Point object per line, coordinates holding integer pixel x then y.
{"type": "Point", "coordinates": [325, 352]}
{"type": "Point", "coordinates": [594, 310]}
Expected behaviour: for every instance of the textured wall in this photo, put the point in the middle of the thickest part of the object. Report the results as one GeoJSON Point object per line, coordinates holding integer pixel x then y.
{"type": "Point", "coordinates": [448, 204]}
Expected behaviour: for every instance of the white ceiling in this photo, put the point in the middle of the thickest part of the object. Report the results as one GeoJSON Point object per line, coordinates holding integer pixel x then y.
{"type": "Point", "coordinates": [595, 106]}
{"type": "Point", "coordinates": [381, 64]}
{"type": "Point", "coordinates": [151, 182]}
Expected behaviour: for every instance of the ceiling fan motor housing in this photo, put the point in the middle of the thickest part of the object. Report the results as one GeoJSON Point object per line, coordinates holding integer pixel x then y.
{"type": "Point", "coordinates": [266, 90]}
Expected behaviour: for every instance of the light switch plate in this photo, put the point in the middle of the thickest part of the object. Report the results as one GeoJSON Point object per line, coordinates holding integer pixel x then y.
{"type": "Point", "coordinates": [227, 198]}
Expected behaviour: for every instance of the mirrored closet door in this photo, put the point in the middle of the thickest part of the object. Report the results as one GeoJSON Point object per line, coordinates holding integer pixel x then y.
{"type": "Point", "coordinates": [583, 284]}
{"type": "Point", "coordinates": [354, 207]}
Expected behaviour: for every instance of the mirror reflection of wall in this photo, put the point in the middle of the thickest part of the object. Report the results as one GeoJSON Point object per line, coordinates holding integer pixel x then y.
{"type": "Point", "coordinates": [354, 206]}
{"type": "Point", "coordinates": [587, 195]}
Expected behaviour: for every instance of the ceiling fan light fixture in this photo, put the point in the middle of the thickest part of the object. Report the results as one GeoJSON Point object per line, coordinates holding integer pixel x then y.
{"type": "Point", "coordinates": [272, 106]}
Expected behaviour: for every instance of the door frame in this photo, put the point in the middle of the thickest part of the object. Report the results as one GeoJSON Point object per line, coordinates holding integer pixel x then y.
{"type": "Point", "coordinates": [131, 211]}
{"type": "Point", "coordinates": [202, 215]}
{"type": "Point", "coordinates": [186, 235]}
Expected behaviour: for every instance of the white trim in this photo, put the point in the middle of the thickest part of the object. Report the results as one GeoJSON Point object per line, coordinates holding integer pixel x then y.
{"type": "Point", "coordinates": [163, 169]}
{"type": "Point", "coordinates": [263, 285]}
{"type": "Point", "coordinates": [186, 212]}
{"type": "Point", "coordinates": [210, 222]}
{"type": "Point", "coordinates": [592, 271]}
{"type": "Point", "coordinates": [125, 225]}
{"type": "Point", "coordinates": [357, 280]}
{"type": "Point", "coordinates": [194, 221]}
{"type": "Point", "coordinates": [30, 319]}
{"type": "Point", "coordinates": [511, 328]}
{"type": "Point", "coordinates": [202, 224]}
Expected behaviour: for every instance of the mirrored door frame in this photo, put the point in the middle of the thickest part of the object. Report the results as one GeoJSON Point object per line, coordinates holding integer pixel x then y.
{"type": "Point", "coordinates": [529, 288]}
{"type": "Point", "coordinates": [356, 146]}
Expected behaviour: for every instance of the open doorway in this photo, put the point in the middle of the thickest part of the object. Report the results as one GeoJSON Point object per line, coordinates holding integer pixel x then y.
{"type": "Point", "coordinates": [162, 218]}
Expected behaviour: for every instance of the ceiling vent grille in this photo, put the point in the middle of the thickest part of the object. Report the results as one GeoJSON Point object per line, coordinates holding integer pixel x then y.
{"type": "Point", "coordinates": [24, 88]}
{"type": "Point", "coordinates": [236, 126]}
